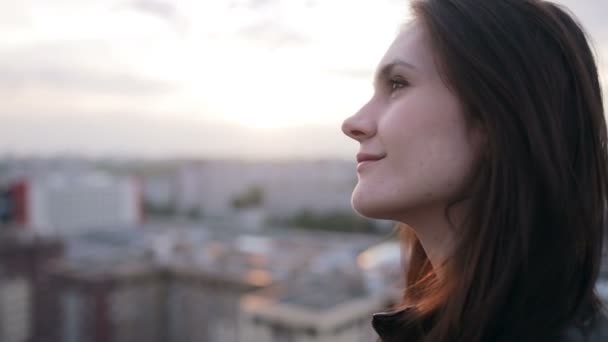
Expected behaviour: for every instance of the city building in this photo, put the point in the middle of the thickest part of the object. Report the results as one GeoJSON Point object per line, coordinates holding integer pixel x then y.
{"type": "Point", "coordinates": [168, 287]}
{"type": "Point", "coordinates": [64, 203]}
{"type": "Point", "coordinates": [24, 287]}
{"type": "Point", "coordinates": [124, 301]}
{"type": "Point", "coordinates": [334, 308]}
{"type": "Point", "coordinates": [109, 301]}
{"type": "Point", "coordinates": [16, 304]}
{"type": "Point", "coordinates": [288, 187]}
{"type": "Point", "coordinates": [204, 306]}
{"type": "Point", "coordinates": [189, 283]}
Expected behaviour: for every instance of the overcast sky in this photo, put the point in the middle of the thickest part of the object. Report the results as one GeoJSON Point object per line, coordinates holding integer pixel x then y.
{"type": "Point", "coordinates": [167, 78]}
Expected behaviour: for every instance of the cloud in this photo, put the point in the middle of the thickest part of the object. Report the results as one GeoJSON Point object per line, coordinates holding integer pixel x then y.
{"type": "Point", "coordinates": [164, 10]}
{"type": "Point", "coordinates": [251, 4]}
{"type": "Point", "coordinates": [273, 33]}
{"type": "Point", "coordinates": [85, 67]}
{"type": "Point", "coordinates": [272, 23]}
{"type": "Point", "coordinates": [78, 79]}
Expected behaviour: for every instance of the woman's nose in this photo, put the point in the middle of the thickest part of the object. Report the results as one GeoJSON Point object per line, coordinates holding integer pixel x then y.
{"type": "Point", "coordinates": [359, 127]}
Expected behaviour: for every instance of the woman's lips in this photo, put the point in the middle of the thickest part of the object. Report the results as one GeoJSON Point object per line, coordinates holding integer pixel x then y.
{"type": "Point", "coordinates": [366, 163]}
{"type": "Point", "coordinates": [361, 157]}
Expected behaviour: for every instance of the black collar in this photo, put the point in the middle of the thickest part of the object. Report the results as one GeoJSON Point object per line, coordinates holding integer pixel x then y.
{"type": "Point", "coordinates": [396, 325]}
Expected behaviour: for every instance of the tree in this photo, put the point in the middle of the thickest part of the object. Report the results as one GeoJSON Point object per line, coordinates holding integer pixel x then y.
{"type": "Point", "coordinates": [251, 198]}
{"type": "Point", "coordinates": [332, 221]}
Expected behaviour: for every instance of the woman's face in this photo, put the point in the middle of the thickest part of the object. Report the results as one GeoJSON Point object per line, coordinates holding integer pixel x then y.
{"type": "Point", "coordinates": [414, 125]}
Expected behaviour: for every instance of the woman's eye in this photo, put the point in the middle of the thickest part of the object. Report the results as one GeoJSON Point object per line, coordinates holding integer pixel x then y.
{"type": "Point", "coordinates": [397, 83]}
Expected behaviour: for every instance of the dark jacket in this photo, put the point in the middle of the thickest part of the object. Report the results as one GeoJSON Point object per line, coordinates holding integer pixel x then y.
{"type": "Point", "coordinates": [388, 325]}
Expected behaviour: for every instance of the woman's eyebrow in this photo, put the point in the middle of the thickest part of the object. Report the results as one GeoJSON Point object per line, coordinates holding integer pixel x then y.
{"type": "Point", "coordinates": [386, 69]}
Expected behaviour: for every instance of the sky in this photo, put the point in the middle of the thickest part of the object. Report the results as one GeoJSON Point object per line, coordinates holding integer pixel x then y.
{"type": "Point", "coordinates": [191, 78]}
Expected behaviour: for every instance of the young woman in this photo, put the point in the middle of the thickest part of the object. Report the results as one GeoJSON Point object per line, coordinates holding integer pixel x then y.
{"type": "Point", "coordinates": [485, 138]}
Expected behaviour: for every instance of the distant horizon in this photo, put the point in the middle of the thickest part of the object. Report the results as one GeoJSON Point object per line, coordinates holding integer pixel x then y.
{"type": "Point", "coordinates": [164, 139]}
{"type": "Point", "coordinates": [170, 159]}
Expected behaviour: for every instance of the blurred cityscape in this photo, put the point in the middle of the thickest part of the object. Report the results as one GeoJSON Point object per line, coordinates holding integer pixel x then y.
{"type": "Point", "coordinates": [257, 242]}
{"type": "Point", "coordinates": [187, 250]}
{"type": "Point", "coordinates": [102, 250]}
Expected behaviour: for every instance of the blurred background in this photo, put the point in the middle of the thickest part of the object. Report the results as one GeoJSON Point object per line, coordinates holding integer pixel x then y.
{"type": "Point", "coordinates": [174, 170]}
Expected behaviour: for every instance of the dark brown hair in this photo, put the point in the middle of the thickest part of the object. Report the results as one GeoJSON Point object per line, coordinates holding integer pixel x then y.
{"type": "Point", "coordinates": [529, 252]}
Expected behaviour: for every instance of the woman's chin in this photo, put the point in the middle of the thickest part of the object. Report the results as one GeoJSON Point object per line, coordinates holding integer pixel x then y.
{"type": "Point", "coordinates": [369, 209]}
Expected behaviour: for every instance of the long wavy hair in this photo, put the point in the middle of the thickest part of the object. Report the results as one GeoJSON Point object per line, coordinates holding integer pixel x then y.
{"type": "Point", "coordinates": [528, 254]}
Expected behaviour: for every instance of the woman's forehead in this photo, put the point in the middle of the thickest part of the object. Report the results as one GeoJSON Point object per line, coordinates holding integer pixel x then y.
{"type": "Point", "coordinates": [412, 46]}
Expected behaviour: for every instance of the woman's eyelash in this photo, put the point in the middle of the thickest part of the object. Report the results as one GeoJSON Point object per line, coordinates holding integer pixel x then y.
{"type": "Point", "coordinates": [397, 83]}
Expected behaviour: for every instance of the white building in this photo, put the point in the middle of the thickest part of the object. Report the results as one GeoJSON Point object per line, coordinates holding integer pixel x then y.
{"type": "Point", "coordinates": [15, 309]}
{"type": "Point", "coordinates": [62, 203]}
